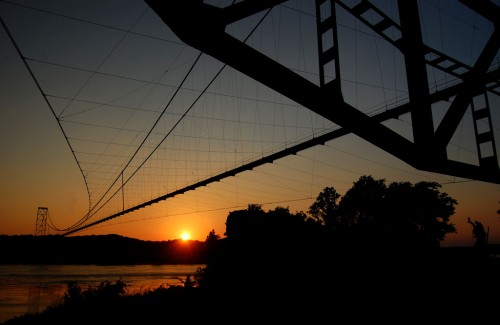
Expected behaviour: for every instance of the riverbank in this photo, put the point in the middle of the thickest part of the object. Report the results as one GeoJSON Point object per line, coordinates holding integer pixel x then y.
{"type": "Point", "coordinates": [458, 284]}
{"type": "Point", "coordinates": [26, 288]}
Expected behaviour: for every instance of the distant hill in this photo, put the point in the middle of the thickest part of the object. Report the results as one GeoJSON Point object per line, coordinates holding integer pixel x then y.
{"type": "Point", "coordinates": [119, 250]}
{"type": "Point", "coordinates": [98, 249]}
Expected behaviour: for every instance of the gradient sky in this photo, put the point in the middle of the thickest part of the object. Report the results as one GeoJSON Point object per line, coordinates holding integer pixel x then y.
{"type": "Point", "coordinates": [110, 68]}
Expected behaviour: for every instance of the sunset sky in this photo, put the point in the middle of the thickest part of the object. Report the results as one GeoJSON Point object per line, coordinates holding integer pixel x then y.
{"type": "Point", "coordinates": [124, 101]}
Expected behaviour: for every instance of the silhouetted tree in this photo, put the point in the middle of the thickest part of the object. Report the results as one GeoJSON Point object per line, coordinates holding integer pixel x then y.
{"type": "Point", "coordinates": [418, 214]}
{"type": "Point", "coordinates": [324, 209]}
{"type": "Point", "coordinates": [242, 224]}
{"type": "Point", "coordinates": [254, 222]}
{"type": "Point", "coordinates": [255, 209]}
{"type": "Point", "coordinates": [401, 213]}
{"type": "Point", "coordinates": [362, 205]}
{"type": "Point", "coordinates": [212, 236]}
{"type": "Point", "coordinates": [283, 216]}
{"type": "Point", "coordinates": [211, 243]}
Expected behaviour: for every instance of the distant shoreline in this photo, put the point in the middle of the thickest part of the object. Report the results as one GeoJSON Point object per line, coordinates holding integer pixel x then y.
{"type": "Point", "coordinates": [98, 250]}
{"type": "Point", "coordinates": [119, 250]}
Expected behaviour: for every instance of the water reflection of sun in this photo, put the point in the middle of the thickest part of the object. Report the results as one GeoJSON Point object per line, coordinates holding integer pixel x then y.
{"type": "Point", "coordinates": [185, 236]}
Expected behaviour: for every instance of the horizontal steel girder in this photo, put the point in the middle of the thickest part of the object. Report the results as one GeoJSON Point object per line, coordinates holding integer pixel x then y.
{"type": "Point", "coordinates": [202, 26]}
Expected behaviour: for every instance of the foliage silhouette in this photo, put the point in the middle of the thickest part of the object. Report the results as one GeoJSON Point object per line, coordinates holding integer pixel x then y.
{"type": "Point", "coordinates": [111, 303]}
{"type": "Point", "coordinates": [400, 214]}
{"type": "Point", "coordinates": [372, 254]}
{"type": "Point", "coordinates": [104, 292]}
{"type": "Point", "coordinates": [324, 210]}
{"type": "Point", "coordinates": [379, 253]}
{"type": "Point", "coordinates": [479, 233]}
{"type": "Point", "coordinates": [212, 237]}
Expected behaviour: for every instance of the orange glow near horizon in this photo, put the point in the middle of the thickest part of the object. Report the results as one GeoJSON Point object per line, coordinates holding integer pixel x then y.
{"type": "Point", "coordinates": [129, 139]}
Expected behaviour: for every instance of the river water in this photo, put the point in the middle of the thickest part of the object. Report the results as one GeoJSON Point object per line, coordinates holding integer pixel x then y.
{"type": "Point", "coordinates": [32, 288]}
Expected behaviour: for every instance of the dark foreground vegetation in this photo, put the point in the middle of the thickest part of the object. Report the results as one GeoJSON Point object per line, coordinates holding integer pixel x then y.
{"type": "Point", "coordinates": [373, 256]}
{"type": "Point", "coordinates": [245, 285]}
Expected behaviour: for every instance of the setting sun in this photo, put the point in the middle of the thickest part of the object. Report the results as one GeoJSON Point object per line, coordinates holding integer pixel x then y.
{"type": "Point", "coordinates": [184, 236]}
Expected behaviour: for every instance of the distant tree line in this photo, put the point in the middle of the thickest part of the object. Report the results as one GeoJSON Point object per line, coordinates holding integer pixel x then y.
{"type": "Point", "coordinates": [370, 213]}
{"type": "Point", "coordinates": [372, 224]}
{"type": "Point", "coordinates": [98, 249]}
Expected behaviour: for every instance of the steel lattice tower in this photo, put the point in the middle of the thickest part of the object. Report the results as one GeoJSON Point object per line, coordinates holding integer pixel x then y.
{"type": "Point", "coordinates": [41, 221]}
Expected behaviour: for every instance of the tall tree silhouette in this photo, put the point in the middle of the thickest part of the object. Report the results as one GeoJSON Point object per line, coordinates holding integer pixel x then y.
{"type": "Point", "coordinates": [324, 209]}
{"type": "Point", "coordinates": [363, 203]}
{"type": "Point", "coordinates": [419, 214]}
{"type": "Point", "coordinates": [398, 214]}
{"type": "Point", "coordinates": [212, 236]}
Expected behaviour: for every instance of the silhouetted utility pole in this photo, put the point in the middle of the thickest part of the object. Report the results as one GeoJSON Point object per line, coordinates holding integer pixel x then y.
{"type": "Point", "coordinates": [41, 221]}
